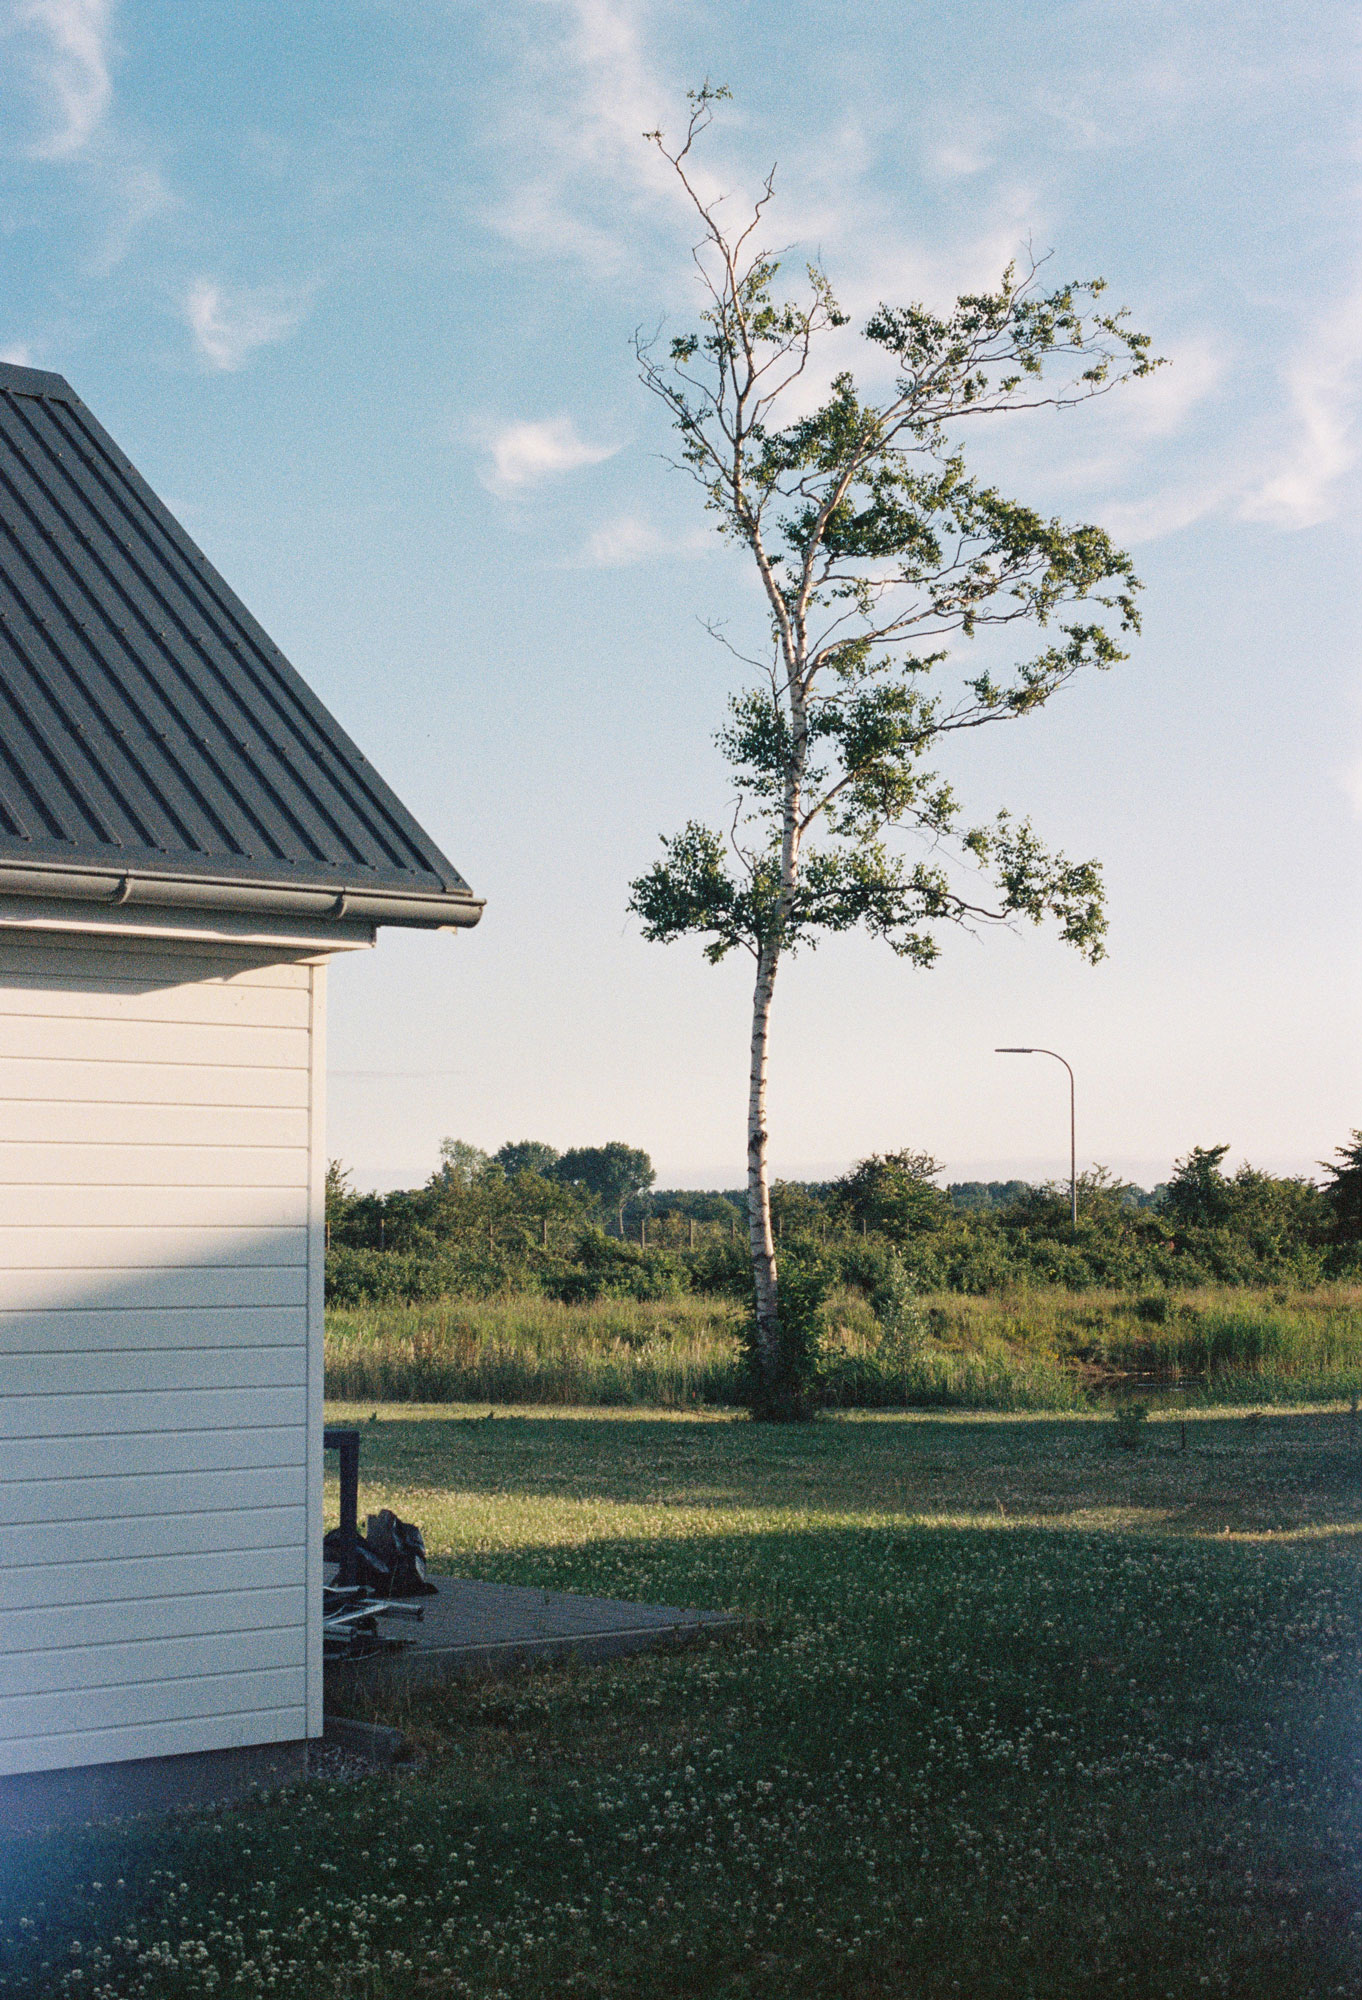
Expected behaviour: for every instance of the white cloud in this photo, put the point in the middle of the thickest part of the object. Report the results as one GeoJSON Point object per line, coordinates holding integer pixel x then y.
{"type": "Point", "coordinates": [70, 58]}
{"type": "Point", "coordinates": [1324, 383]}
{"type": "Point", "coordinates": [1188, 430]}
{"type": "Point", "coordinates": [136, 192]}
{"type": "Point", "coordinates": [958, 141]}
{"type": "Point", "coordinates": [955, 159]}
{"type": "Point", "coordinates": [67, 51]}
{"type": "Point", "coordinates": [1159, 405]}
{"type": "Point", "coordinates": [582, 183]}
{"type": "Point", "coordinates": [229, 325]}
{"type": "Point", "coordinates": [577, 165]}
{"type": "Point", "coordinates": [18, 355]}
{"type": "Point", "coordinates": [1166, 511]}
{"type": "Point", "coordinates": [525, 454]}
{"type": "Point", "coordinates": [1149, 427]}
{"type": "Point", "coordinates": [630, 539]}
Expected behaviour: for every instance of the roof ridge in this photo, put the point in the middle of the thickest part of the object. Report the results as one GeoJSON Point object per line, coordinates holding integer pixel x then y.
{"type": "Point", "coordinates": [18, 379]}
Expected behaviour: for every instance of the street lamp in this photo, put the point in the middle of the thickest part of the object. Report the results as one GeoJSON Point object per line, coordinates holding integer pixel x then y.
{"type": "Point", "coordinates": [1073, 1143]}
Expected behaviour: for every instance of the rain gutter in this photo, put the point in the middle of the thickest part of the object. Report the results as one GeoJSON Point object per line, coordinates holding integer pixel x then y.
{"type": "Point", "coordinates": [179, 892]}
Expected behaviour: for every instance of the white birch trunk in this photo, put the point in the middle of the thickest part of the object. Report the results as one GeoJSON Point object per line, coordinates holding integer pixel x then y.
{"type": "Point", "coordinates": [764, 1274]}
{"type": "Point", "coordinates": [758, 1183]}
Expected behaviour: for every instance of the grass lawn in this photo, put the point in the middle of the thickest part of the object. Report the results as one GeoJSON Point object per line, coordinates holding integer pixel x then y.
{"type": "Point", "coordinates": [1016, 1713]}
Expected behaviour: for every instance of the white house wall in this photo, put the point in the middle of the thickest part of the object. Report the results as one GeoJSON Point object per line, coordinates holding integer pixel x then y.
{"type": "Point", "coordinates": [160, 1350]}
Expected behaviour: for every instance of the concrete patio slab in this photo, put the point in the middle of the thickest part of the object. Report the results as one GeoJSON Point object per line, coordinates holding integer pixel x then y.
{"type": "Point", "coordinates": [480, 1628]}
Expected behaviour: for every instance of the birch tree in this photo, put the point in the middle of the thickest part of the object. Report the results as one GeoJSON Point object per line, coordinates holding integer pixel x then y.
{"type": "Point", "coordinates": [879, 556]}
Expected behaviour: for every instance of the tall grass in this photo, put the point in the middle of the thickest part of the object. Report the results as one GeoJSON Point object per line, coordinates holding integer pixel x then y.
{"type": "Point", "coordinates": [670, 1354]}
{"type": "Point", "coordinates": [1309, 1338]}
{"type": "Point", "coordinates": [944, 1359]}
{"type": "Point", "coordinates": [521, 1348]}
{"type": "Point", "coordinates": [1023, 1350]}
{"type": "Point", "coordinates": [1222, 1343]}
{"type": "Point", "coordinates": [1032, 1350]}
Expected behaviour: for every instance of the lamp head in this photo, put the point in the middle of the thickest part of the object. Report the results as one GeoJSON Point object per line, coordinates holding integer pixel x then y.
{"type": "Point", "coordinates": [1014, 1052]}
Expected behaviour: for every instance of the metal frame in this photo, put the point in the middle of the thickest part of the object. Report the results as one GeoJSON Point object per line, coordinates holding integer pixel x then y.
{"type": "Point", "coordinates": [346, 1442]}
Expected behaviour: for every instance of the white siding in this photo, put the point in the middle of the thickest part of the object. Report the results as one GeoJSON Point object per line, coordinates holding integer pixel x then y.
{"type": "Point", "coordinates": [161, 1164]}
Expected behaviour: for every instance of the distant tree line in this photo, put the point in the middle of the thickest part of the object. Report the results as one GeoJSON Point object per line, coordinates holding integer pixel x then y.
{"type": "Point", "coordinates": [590, 1223]}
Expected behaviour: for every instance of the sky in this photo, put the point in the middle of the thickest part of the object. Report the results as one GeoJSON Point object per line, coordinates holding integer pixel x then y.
{"type": "Point", "coordinates": [354, 282]}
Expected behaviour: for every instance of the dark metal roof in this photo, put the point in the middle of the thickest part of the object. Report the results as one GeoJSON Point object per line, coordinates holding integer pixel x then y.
{"type": "Point", "coordinates": [148, 727]}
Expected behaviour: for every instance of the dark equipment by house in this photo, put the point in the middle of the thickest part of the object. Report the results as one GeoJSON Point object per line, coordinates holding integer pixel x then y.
{"type": "Point", "coordinates": [349, 1622]}
{"type": "Point", "coordinates": [341, 1544]}
{"type": "Point", "coordinates": [397, 1549]}
{"type": "Point", "coordinates": [373, 1570]}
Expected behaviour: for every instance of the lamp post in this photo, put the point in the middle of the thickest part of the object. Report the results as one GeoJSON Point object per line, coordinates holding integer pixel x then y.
{"type": "Point", "coordinates": [1073, 1142]}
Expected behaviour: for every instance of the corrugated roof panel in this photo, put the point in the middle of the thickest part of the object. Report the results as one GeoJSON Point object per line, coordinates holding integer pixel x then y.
{"type": "Point", "coordinates": [146, 720]}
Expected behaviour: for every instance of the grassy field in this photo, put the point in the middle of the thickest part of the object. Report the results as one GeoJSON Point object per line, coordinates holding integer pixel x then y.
{"type": "Point", "coordinates": [1038, 1350]}
{"type": "Point", "coordinates": [1016, 1713]}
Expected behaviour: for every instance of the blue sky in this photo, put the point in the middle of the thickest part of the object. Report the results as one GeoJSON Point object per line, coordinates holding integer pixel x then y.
{"type": "Point", "coordinates": [353, 282]}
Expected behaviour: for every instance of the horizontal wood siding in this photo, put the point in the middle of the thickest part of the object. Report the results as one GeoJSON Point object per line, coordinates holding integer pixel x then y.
{"type": "Point", "coordinates": [159, 1160]}
{"type": "Point", "coordinates": [240, 1447]}
{"type": "Point", "coordinates": [135, 1001]}
{"type": "Point", "coordinates": [73, 1080]}
{"type": "Point", "coordinates": [71, 1246]}
{"type": "Point", "coordinates": [87, 1329]}
{"type": "Point", "coordinates": [186, 1044]}
{"type": "Point", "coordinates": [30, 1290]}
{"type": "Point", "coordinates": [196, 1205]}
{"type": "Point", "coordinates": [47, 1121]}
{"type": "Point", "coordinates": [127, 1579]}
{"type": "Point", "coordinates": [77, 1626]}
{"type": "Point", "coordinates": [133, 1495]}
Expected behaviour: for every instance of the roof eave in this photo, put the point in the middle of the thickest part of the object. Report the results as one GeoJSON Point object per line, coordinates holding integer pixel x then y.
{"type": "Point", "coordinates": [417, 909]}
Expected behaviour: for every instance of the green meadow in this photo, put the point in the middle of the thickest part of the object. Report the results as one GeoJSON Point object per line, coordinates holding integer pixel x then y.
{"type": "Point", "coordinates": [1014, 1711]}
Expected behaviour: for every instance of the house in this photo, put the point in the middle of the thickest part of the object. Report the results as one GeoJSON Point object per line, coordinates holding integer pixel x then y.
{"type": "Point", "coordinates": [186, 839]}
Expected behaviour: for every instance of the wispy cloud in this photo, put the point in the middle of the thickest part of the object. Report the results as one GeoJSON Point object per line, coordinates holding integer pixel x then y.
{"type": "Point", "coordinates": [573, 133]}
{"type": "Point", "coordinates": [230, 324]}
{"type": "Point", "coordinates": [18, 355]}
{"type": "Point", "coordinates": [1203, 446]}
{"type": "Point", "coordinates": [1162, 404]}
{"type": "Point", "coordinates": [1147, 432]}
{"type": "Point", "coordinates": [629, 538]}
{"type": "Point", "coordinates": [68, 49]}
{"type": "Point", "coordinates": [1324, 386]}
{"type": "Point", "coordinates": [136, 191]}
{"type": "Point", "coordinates": [526, 454]}
{"type": "Point", "coordinates": [954, 159]}
{"type": "Point", "coordinates": [1166, 511]}
{"type": "Point", "coordinates": [1163, 455]}
{"type": "Point", "coordinates": [1289, 481]}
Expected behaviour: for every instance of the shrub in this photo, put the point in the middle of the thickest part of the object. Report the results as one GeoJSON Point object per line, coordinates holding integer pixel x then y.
{"type": "Point", "coordinates": [608, 1268]}
{"type": "Point", "coordinates": [360, 1277]}
{"type": "Point", "coordinates": [1154, 1308]}
{"type": "Point", "coordinates": [793, 1393]}
{"type": "Point", "coordinates": [1128, 1425]}
{"type": "Point", "coordinates": [903, 1325]}
{"type": "Point", "coordinates": [721, 1269]}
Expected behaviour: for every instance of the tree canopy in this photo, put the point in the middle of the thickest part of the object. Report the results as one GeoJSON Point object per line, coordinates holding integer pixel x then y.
{"type": "Point", "coordinates": [1343, 1191]}
{"type": "Point", "coordinates": [610, 1174]}
{"type": "Point", "coordinates": [519, 1156]}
